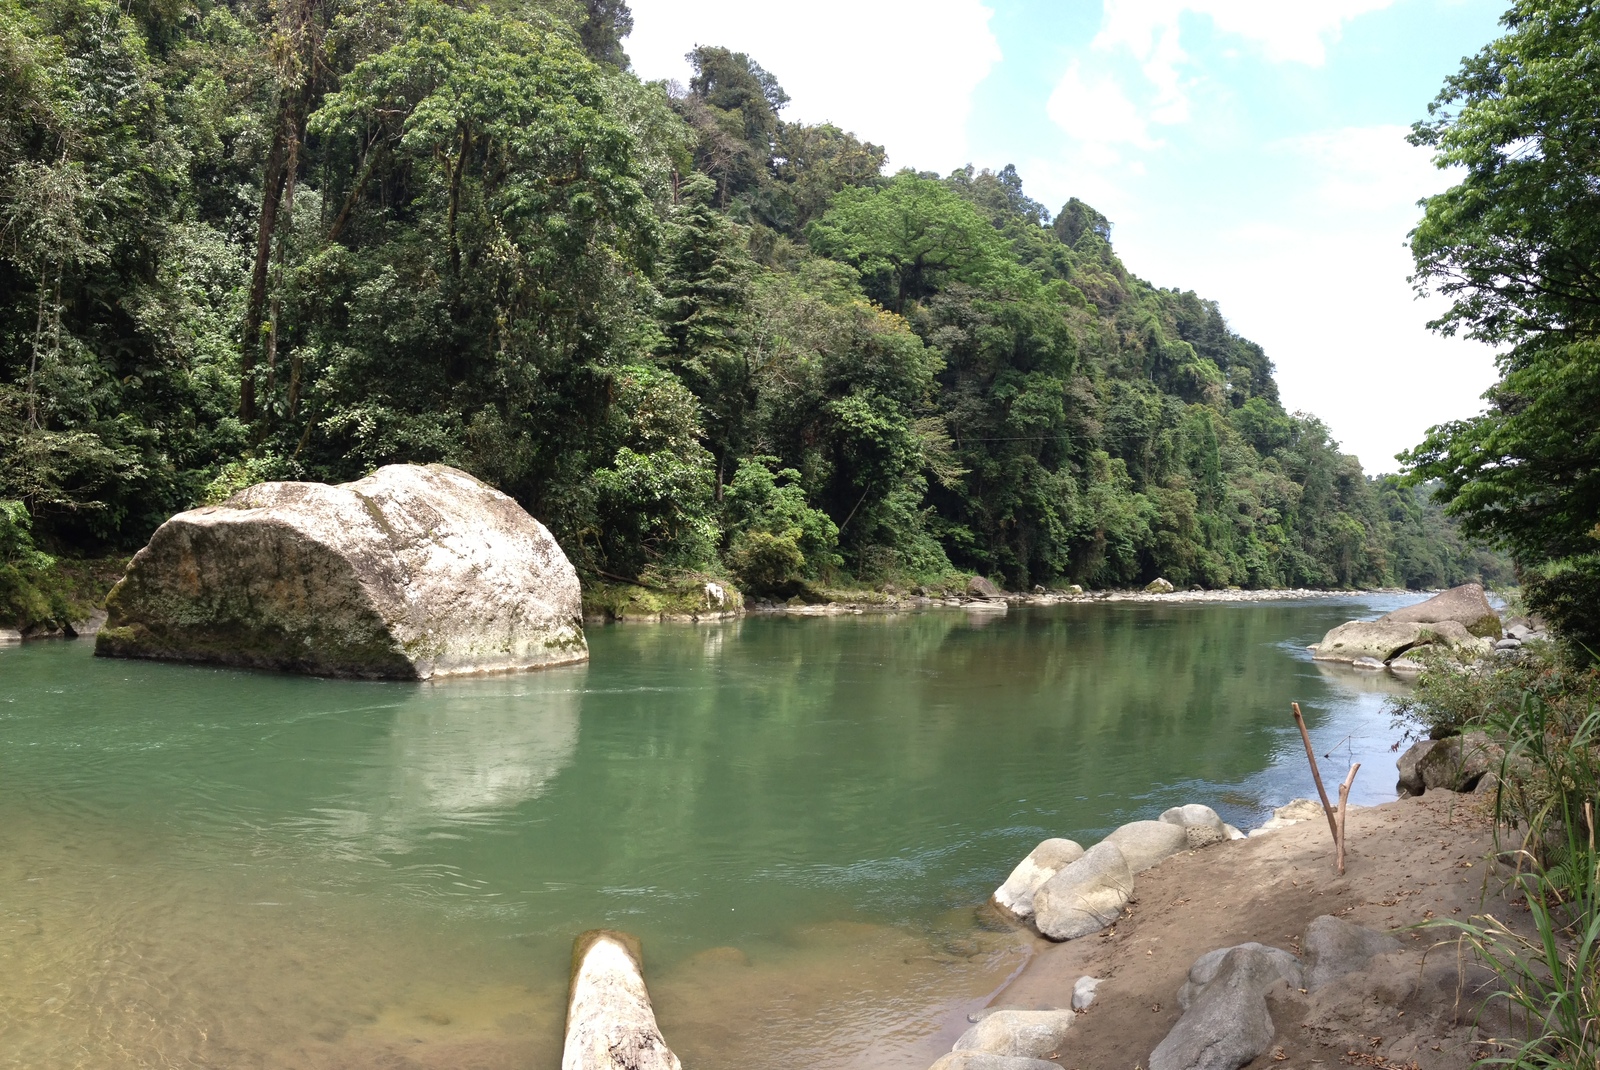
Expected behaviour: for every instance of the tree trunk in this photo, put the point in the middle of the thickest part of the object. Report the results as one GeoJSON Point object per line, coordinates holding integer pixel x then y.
{"type": "Point", "coordinates": [455, 200]}
{"type": "Point", "coordinates": [266, 223]}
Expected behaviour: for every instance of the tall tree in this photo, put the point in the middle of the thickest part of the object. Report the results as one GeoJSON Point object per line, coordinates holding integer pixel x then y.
{"type": "Point", "coordinates": [706, 289]}
{"type": "Point", "coordinates": [1515, 246]}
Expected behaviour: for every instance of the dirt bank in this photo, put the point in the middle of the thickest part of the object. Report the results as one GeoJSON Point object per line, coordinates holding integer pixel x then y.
{"type": "Point", "coordinates": [1408, 862]}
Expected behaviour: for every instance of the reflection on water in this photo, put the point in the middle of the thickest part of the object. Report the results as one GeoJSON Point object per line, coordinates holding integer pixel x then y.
{"type": "Point", "coordinates": [205, 867]}
{"type": "Point", "coordinates": [457, 754]}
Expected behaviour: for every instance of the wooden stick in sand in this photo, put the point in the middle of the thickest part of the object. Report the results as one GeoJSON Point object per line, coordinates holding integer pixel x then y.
{"type": "Point", "coordinates": [1344, 800]}
{"type": "Point", "coordinates": [1335, 817]}
{"type": "Point", "coordinates": [1316, 774]}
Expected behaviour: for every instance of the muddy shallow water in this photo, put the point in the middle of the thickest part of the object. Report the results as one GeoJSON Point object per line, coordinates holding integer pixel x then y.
{"type": "Point", "coordinates": [203, 867]}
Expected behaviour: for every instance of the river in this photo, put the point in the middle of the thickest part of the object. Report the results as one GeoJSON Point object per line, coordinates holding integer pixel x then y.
{"type": "Point", "coordinates": [209, 867]}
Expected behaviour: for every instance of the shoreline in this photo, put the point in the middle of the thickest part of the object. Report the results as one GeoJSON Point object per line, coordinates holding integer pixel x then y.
{"type": "Point", "coordinates": [1005, 600]}
{"type": "Point", "coordinates": [1410, 862]}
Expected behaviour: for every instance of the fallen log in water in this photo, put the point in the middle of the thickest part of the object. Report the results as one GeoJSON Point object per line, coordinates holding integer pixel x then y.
{"type": "Point", "coordinates": [610, 1024]}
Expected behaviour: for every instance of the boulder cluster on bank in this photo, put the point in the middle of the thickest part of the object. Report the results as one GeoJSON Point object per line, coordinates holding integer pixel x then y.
{"type": "Point", "coordinates": [1063, 892]}
{"type": "Point", "coordinates": [1249, 1000]}
{"type": "Point", "coordinates": [1458, 623]}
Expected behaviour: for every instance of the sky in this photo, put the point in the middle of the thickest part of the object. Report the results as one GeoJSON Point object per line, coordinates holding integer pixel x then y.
{"type": "Point", "coordinates": [1250, 150]}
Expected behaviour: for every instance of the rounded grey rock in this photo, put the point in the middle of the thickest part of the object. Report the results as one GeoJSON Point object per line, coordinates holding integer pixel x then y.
{"type": "Point", "coordinates": [1086, 896]}
{"type": "Point", "coordinates": [1028, 1034]}
{"type": "Point", "coordinates": [1144, 843]}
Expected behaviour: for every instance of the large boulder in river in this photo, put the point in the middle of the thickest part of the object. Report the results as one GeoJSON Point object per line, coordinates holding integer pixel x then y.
{"type": "Point", "coordinates": [1466, 605]}
{"type": "Point", "coordinates": [610, 1023]}
{"type": "Point", "coordinates": [413, 572]}
{"type": "Point", "coordinates": [1387, 639]}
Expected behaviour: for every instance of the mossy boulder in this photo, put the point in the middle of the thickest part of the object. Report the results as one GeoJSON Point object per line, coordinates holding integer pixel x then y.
{"type": "Point", "coordinates": [1467, 605]}
{"type": "Point", "coordinates": [413, 572]}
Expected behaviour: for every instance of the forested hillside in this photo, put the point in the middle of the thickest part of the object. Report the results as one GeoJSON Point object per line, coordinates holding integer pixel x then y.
{"type": "Point", "coordinates": [297, 240]}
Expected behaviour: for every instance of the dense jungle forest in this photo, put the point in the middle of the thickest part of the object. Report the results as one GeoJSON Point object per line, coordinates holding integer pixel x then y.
{"type": "Point", "coordinates": [298, 239]}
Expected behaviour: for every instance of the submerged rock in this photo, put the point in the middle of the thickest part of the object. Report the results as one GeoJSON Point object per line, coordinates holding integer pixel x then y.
{"type": "Point", "coordinates": [1465, 605]}
{"type": "Point", "coordinates": [1086, 896]}
{"type": "Point", "coordinates": [1042, 863]}
{"type": "Point", "coordinates": [413, 572]}
{"type": "Point", "coordinates": [610, 1024]}
{"type": "Point", "coordinates": [1019, 1034]}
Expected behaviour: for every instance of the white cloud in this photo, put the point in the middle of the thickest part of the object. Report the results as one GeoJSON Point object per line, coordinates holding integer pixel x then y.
{"type": "Point", "coordinates": [1364, 168]}
{"type": "Point", "coordinates": [1098, 114]}
{"type": "Point", "coordinates": [1316, 273]}
{"type": "Point", "coordinates": [902, 74]}
{"type": "Point", "coordinates": [1286, 30]}
{"type": "Point", "coordinates": [1087, 106]}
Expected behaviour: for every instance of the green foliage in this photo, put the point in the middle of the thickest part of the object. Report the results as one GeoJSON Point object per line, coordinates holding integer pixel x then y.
{"type": "Point", "coordinates": [1565, 593]}
{"type": "Point", "coordinates": [300, 240]}
{"type": "Point", "coordinates": [653, 502]}
{"type": "Point", "coordinates": [1545, 712]}
{"type": "Point", "coordinates": [761, 501]}
{"type": "Point", "coordinates": [909, 238]}
{"type": "Point", "coordinates": [1513, 246]}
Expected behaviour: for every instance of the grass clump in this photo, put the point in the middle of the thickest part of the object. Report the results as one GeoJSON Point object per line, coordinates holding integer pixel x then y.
{"type": "Point", "coordinates": [1545, 710]}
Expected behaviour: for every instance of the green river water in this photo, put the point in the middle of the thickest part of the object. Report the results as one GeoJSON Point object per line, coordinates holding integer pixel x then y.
{"type": "Point", "coordinates": [207, 867]}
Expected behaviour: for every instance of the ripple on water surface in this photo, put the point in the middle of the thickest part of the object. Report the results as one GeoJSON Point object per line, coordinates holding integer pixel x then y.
{"type": "Point", "coordinates": [208, 867]}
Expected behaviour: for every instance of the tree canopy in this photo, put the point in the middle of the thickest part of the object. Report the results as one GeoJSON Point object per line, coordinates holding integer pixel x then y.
{"type": "Point", "coordinates": [305, 238]}
{"type": "Point", "coordinates": [1515, 246]}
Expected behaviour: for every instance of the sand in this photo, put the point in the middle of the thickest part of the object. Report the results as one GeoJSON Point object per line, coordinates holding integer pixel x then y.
{"type": "Point", "coordinates": [1408, 862]}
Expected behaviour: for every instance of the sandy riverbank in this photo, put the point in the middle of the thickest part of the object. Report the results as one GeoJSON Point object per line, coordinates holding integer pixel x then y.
{"type": "Point", "coordinates": [1408, 862]}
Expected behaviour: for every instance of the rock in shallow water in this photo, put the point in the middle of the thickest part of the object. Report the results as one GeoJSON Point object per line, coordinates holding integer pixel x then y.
{"type": "Point", "coordinates": [1384, 640]}
{"type": "Point", "coordinates": [610, 1024]}
{"type": "Point", "coordinates": [413, 572]}
{"type": "Point", "coordinates": [1024, 1034]}
{"type": "Point", "coordinates": [1042, 863]}
{"type": "Point", "coordinates": [1086, 896]}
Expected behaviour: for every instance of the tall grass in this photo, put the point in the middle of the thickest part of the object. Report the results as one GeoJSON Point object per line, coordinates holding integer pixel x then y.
{"type": "Point", "coordinates": [1546, 794]}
